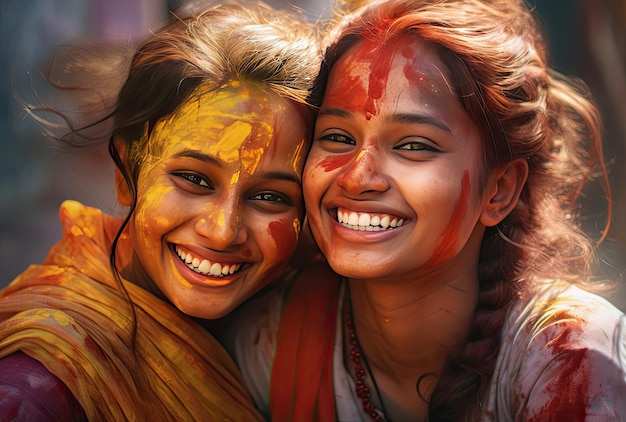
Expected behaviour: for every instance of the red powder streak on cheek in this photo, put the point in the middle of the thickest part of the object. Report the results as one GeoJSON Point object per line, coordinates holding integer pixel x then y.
{"type": "Point", "coordinates": [333, 163]}
{"type": "Point", "coordinates": [284, 236]}
{"type": "Point", "coordinates": [450, 237]}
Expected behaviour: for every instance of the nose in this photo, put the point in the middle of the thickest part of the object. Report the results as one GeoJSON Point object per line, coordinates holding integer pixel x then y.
{"type": "Point", "coordinates": [221, 226]}
{"type": "Point", "coordinates": [363, 174]}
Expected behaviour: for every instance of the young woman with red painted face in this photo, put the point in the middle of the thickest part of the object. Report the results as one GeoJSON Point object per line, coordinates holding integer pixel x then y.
{"type": "Point", "coordinates": [210, 133]}
{"type": "Point", "coordinates": [441, 187]}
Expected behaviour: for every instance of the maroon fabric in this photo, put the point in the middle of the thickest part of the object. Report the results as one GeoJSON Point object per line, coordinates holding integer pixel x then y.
{"type": "Point", "coordinates": [29, 392]}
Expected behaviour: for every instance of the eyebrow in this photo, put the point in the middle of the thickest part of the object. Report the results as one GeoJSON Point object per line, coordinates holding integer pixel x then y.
{"type": "Point", "coordinates": [197, 155]}
{"type": "Point", "coordinates": [400, 117]}
{"type": "Point", "coordinates": [279, 175]}
{"type": "Point", "coordinates": [190, 153]}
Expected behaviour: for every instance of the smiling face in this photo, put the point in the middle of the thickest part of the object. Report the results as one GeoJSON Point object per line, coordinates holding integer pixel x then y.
{"type": "Point", "coordinates": [393, 180]}
{"type": "Point", "coordinates": [219, 200]}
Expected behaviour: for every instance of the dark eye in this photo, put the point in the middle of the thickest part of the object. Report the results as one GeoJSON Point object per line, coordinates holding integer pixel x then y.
{"type": "Point", "coordinates": [337, 137]}
{"type": "Point", "coordinates": [416, 146]}
{"type": "Point", "coordinates": [272, 197]}
{"type": "Point", "coordinates": [194, 178]}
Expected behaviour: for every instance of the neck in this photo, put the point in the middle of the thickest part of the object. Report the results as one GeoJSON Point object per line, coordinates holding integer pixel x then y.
{"type": "Point", "coordinates": [407, 330]}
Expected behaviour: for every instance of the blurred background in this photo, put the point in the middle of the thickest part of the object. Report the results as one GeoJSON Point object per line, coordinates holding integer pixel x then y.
{"type": "Point", "coordinates": [587, 39]}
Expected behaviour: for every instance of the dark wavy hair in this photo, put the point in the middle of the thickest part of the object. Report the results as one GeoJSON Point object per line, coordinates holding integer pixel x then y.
{"type": "Point", "coordinates": [497, 64]}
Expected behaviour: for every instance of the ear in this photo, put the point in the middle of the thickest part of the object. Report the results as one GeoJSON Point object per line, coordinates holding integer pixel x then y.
{"type": "Point", "coordinates": [503, 191]}
{"type": "Point", "coordinates": [121, 187]}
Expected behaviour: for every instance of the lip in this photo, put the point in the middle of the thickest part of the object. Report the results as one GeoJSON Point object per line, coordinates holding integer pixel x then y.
{"type": "Point", "coordinates": [203, 280]}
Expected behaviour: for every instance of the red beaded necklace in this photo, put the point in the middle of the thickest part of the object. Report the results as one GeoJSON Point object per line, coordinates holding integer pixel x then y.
{"type": "Point", "coordinates": [362, 391]}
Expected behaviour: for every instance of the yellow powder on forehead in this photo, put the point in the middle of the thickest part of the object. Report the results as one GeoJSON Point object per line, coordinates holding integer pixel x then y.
{"type": "Point", "coordinates": [227, 147]}
{"type": "Point", "coordinates": [228, 135]}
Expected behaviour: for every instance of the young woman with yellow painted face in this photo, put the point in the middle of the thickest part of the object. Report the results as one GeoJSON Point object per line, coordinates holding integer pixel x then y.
{"type": "Point", "coordinates": [210, 132]}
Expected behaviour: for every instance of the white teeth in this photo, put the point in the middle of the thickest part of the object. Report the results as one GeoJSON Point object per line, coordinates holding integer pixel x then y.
{"type": "Point", "coordinates": [367, 222]}
{"type": "Point", "coordinates": [206, 267]}
{"type": "Point", "coordinates": [364, 220]}
{"type": "Point", "coordinates": [216, 269]}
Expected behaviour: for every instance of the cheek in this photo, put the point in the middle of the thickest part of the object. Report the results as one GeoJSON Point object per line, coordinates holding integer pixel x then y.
{"type": "Point", "coordinates": [154, 210]}
{"type": "Point", "coordinates": [445, 249]}
{"type": "Point", "coordinates": [333, 162]}
{"type": "Point", "coordinates": [284, 234]}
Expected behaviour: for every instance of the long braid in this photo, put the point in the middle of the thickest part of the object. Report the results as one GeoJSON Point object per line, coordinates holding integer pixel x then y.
{"type": "Point", "coordinates": [467, 375]}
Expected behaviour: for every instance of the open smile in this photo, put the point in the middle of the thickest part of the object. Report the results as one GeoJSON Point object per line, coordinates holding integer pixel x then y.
{"type": "Point", "coordinates": [362, 221]}
{"type": "Point", "coordinates": [206, 267]}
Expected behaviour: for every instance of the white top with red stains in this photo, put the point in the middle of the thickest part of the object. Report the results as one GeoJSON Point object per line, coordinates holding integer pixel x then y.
{"type": "Point", "coordinates": [563, 358]}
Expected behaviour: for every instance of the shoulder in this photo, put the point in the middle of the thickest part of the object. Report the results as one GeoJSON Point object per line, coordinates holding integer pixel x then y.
{"type": "Point", "coordinates": [565, 355]}
{"type": "Point", "coordinates": [29, 392]}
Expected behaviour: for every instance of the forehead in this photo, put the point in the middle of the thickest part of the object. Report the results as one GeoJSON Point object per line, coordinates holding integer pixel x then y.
{"type": "Point", "coordinates": [220, 120]}
{"type": "Point", "coordinates": [238, 124]}
{"type": "Point", "coordinates": [215, 108]}
{"type": "Point", "coordinates": [403, 68]}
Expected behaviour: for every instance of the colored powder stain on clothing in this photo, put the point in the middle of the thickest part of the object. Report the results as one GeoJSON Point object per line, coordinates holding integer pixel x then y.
{"type": "Point", "coordinates": [61, 318]}
{"type": "Point", "coordinates": [449, 238]}
{"type": "Point", "coordinates": [568, 389]}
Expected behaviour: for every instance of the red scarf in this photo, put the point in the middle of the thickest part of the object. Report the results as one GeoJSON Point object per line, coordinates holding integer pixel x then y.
{"type": "Point", "coordinates": [302, 375]}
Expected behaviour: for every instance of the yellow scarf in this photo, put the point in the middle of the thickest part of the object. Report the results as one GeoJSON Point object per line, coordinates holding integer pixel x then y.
{"type": "Point", "coordinates": [70, 315]}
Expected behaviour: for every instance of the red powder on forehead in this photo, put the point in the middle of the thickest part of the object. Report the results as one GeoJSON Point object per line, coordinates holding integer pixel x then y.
{"type": "Point", "coordinates": [284, 235]}
{"type": "Point", "coordinates": [349, 91]}
{"type": "Point", "coordinates": [410, 69]}
{"type": "Point", "coordinates": [450, 237]}
{"type": "Point", "coordinates": [333, 163]}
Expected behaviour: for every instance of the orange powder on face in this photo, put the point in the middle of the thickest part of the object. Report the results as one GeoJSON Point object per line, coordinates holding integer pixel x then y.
{"type": "Point", "coordinates": [443, 251]}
